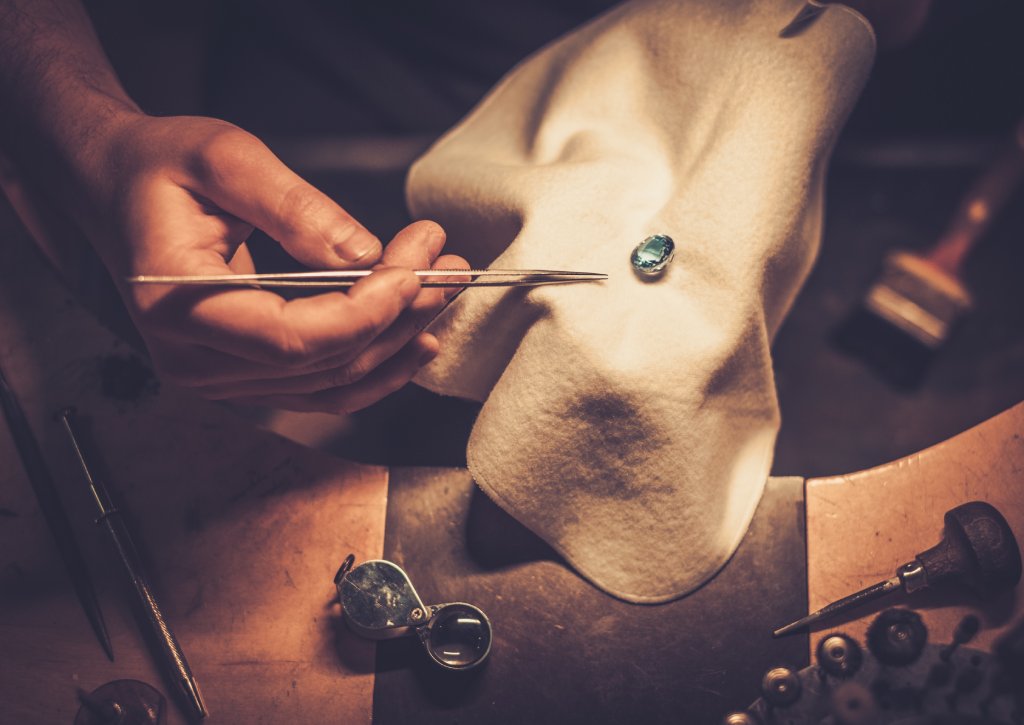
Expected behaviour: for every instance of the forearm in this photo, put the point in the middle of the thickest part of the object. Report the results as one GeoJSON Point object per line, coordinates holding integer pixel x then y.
{"type": "Point", "coordinates": [60, 97]}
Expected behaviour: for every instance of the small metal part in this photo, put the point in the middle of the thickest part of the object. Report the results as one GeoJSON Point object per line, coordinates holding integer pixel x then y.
{"type": "Point", "coordinates": [781, 687]}
{"type": "Point", "coordinates": [968, 686]}
{"type": "Point", "coordinates": [912, 576]}
{"type": "Point", "coordinates": [897, 637]}
{"type": "Point", "coordinates": [964, 633]}
{"type": "Point", "coordinates": [122, 702]}
{"type": "Point", "coordinates": [53, 512]}
{"type": "Point", "coordinates": [841, 605]}
{"type": "Point", "coordinates": [345, 568]}
{"type": "Point", "coordinates": [978, 550]}
{"type": "Point", "coordinates": [839, 655]}
{"type": "Point", "coordinates": [741, 718]}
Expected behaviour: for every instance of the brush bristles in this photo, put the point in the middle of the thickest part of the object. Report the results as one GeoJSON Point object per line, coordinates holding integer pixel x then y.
{"type": "Point", "coordinates": [920, 299]}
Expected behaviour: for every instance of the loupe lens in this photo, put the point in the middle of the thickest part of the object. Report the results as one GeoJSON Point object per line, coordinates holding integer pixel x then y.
{"type": "Point", "coordinates": [459, 636]}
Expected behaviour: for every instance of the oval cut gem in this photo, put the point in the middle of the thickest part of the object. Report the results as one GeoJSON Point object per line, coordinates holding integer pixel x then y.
{"type": "Point", "coordinates": [653, 254]}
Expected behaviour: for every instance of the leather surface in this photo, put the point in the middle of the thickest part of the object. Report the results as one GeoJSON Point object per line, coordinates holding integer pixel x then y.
{"type": "Point", "coordinates": [563, 651]}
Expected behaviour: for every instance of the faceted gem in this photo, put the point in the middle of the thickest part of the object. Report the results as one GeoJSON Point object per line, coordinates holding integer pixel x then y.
{"type": "Point", "coordinates": [652, 255]}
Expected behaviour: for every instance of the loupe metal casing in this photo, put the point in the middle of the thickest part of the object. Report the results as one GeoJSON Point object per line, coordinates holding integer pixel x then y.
{"type": "Point", "coordinates": [379, 602]}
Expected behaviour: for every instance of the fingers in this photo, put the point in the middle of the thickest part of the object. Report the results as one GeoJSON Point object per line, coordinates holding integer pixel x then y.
{"type": "Point", "coordinates": [338, 351]}
{"type": "Point", "coordinates": [383, 381]}
{"type": "Point", "coordinates": [244, 178]}
{"type": "Point", "coordinates": [415, 247]}
{"type": "Point", "coordinates": [262, 327]}
{"type": "Point", "coordinates": [241, 262]}
{"type": "Point", "coordinates": [418, 351]}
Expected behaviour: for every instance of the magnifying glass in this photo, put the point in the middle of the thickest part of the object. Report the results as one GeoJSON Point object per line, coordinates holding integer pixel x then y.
{"type": "Point", "coordinates": [379, 602]}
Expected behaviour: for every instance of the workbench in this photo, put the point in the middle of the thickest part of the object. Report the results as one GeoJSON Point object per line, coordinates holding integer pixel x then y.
{"type": "Point", "coordinates": [243, 530]}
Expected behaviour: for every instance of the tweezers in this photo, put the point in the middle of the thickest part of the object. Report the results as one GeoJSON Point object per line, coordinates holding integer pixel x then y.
{"type": "Point", "coordinates": [347, 278]}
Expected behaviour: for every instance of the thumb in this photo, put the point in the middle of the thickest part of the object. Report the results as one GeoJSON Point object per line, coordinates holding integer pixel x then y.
{"type": "Point", "coordinates": [244, 178]}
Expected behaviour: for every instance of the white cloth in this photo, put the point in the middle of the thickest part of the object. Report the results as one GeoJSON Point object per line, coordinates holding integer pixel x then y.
{"type": "Point", "coordinates": [631, 423]}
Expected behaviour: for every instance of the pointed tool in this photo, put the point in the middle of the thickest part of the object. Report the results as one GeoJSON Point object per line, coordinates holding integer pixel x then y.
{"type": "Point", "coordinates": [54, 513]}
{"type": "Point", "coordinates": [163, 643]}
{"type": "Point", "coordinates": [340, 279]}
{"type": "Point", "coordinates": [978, 550]}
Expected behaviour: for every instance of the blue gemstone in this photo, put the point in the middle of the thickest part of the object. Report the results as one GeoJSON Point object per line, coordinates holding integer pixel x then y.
{"type": "Point", "coordinates": [653, 254]}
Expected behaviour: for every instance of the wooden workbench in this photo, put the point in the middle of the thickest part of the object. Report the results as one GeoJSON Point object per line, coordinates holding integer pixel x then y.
{"type": "Point", "coordinates": [243, 530]}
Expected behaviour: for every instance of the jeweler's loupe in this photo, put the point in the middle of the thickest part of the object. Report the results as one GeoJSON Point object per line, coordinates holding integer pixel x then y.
{"type": "Point", "coordinates": [379, 602]}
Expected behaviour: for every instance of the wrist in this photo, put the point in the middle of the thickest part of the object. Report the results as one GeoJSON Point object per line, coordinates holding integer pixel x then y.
{"type": "Point", "coordinates": [83, 136]}
{"type": "Point", "coordinates": [71, 153]}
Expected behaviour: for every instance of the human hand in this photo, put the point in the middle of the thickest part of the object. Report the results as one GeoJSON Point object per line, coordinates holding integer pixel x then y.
{"type": "Point", "coordinates": [179, 196]}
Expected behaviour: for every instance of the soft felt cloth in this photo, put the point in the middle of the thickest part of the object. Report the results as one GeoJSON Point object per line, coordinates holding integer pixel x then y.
{"type": "Point", "coordinates": [631, 423]}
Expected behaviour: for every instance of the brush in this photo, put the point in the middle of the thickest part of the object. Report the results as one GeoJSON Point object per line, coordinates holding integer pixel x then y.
{"type": "Point", "coordinates": [909, 312]}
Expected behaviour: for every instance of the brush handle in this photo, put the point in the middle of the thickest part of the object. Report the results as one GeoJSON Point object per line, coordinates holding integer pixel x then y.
{"type": "Point", "coordinates": [986, 197]}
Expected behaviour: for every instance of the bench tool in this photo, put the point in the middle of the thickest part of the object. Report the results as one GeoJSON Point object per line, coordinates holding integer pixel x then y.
{"type": "Point", "coordinates": [54, 513]}
{"type": "Point", "coordinates": [979, 549]}
{"type": "Point", "coordinates": [163, 643]}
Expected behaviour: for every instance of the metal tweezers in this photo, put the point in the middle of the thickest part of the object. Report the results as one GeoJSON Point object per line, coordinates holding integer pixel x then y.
{"type": "Point", "coordinates": [347, 278]}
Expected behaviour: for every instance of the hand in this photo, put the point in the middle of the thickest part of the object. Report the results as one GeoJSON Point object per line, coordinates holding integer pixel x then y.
{"type": "Point", "coordinates": [180, 196]}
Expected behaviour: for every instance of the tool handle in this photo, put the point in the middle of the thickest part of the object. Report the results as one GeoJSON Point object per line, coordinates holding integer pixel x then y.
{"type": "Point", "coordinates": [983, 201]}
{"type": "Point", "coordinates": [159, 636]}
{"type": "Point", "coordinates": [170, 655]}
{"type": "Point", "coordinates": [979, 547]}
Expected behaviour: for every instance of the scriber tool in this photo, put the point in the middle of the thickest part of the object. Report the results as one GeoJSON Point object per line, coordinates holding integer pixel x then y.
{"type": "Point", "coordinates": [979, 550]}
{"type": "Point", "coordinates": [165, 646]}
{"type": "Point", "coordinates": [53, 512]}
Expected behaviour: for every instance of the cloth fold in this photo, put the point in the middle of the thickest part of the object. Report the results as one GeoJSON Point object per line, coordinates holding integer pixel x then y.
{"type": "Point", "coordinates": [631, 423]}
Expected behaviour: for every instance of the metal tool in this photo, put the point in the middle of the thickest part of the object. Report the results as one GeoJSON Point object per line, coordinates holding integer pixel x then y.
{"type": "Point", "coordinates": [379, 602]}
{"type": "Point", "coordinates": [901, 677]}
{"type": "Point", "coordinates": [979, 549]}
{"type": "Point", "coordinates": [340, 279]}
{"type": "Point", "coordinates": [165, 646]}
{"type": "Point", "coordinates": [54, 513]}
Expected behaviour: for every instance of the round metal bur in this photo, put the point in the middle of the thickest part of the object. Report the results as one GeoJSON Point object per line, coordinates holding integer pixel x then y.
{"type": "Point", "coordinates": [122, 702]}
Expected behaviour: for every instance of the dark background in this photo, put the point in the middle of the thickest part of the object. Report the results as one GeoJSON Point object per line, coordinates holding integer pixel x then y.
{"type": "Point", "coordinates": [932, 115]}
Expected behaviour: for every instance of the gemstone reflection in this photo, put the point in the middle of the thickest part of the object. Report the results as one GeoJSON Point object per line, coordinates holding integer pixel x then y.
{"type": "Point", "coordinates": [652, 255]}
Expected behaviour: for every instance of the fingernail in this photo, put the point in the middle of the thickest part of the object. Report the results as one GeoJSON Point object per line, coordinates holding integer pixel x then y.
{"type": "Point", "coordinates": [360, 246]}
{"type": "Point", "coordinates": [435, 238]}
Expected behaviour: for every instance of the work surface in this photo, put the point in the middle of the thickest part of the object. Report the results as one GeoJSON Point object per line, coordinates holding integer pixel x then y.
{"type": "Point", "coordinates": [243, 531]}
